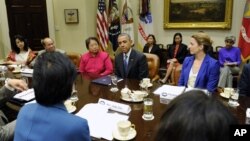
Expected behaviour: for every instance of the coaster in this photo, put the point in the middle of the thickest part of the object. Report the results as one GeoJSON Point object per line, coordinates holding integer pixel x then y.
{"type": "Point", "coordinates": [233, 104]}
{"type": "Point", "coordinates": [131, 135]}
{"type": "Point", "coordinates": [71, 109]}
{"type": "Point", "coordinates": [148, 118]}
{"type": "Point", "coordinates": [131, 100]}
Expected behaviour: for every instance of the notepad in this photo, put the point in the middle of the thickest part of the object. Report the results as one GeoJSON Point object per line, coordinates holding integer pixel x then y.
{"type": "Point", "coordinates": [101, 121]}
{"type": "Point", "coordinates": [174, 90]}
{"type": "Point", "coordinates": [105, 80]}
{"type": "Point", "coordinates": [26, 95]}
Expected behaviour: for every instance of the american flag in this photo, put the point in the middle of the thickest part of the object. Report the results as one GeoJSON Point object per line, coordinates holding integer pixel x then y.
{"type": "Point", "coordinates": [102, 26]}
{"type": "Point", "coordinates": [124, 18]}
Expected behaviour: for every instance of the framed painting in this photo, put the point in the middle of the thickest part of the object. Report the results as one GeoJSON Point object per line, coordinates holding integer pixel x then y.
{"type": "Point", "coordinates": [71, 16]}
{"type": "Point", "coordinates": [198, 14]}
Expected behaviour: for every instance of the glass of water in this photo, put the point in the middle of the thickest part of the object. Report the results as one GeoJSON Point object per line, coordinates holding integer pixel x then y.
{"type": "Point", "coordinates": [148, 109]}
{"type": "Point", "coordinates": [74, 98]}
{"type": "Point", "coordinates": [114, 81]}
{"type": "Point", "coordinates": [3, 71]}
{"type": "Point", "coordinates": [233, 99]}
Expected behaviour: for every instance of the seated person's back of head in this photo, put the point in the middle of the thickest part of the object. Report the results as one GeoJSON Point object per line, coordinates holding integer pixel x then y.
{"type": "Point", "coordinates": [194, 116]}
{"type": "Point", "coordinates": [53, 78]}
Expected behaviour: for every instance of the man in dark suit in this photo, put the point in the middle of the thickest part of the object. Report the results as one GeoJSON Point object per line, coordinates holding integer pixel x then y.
{"type": "Point", "coordinates": [130, 63]}
{"type": "Point", "coordinates": [7, 91]}
{"type": "Point", "coordinates": [244, 84]}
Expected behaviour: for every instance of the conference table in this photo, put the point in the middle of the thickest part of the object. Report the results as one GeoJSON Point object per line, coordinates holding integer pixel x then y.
{"type": "Point", "coordinates": [89, 92]}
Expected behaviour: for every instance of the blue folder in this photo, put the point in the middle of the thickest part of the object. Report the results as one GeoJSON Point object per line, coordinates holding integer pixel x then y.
{"type": "Point", "coordinates": [104, 80]}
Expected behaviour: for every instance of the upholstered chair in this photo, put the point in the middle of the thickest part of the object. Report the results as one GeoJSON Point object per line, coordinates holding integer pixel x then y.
{"type": "Point", "coordinates": [74, 57]}
{"type": "Point", "coordinates": [153, 66]}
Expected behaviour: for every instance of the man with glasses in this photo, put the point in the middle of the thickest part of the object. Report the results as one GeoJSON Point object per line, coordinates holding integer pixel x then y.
{"type": "Point", "coordinates": [229, 59]}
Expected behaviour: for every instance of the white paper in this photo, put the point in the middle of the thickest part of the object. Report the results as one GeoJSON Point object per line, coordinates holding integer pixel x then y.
{"type": "Point", "coordinates": [26, 70]}
{"type": "Point", "coordinates": [26, 95]}
{"type": "Point", "coordinates": [176, 90]}
{"type": "Point", "coordinates": [101, 122]}
{"type": "Point", "coordinates": [248, 116]}
{"type": "Point", "coordinates": [248, 113]}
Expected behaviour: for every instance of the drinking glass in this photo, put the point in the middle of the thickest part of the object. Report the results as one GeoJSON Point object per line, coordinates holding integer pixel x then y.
{"type": "Point", "coordinates": [74, 98]}
{"type": "Point", "coordinates": [2, 77]}
{"type": "Point", "coordinates": [148, 109]}
{"type": "Point", "coordinates": [114, 81]}
{"type": "Point", "coordinates": [233, 99]}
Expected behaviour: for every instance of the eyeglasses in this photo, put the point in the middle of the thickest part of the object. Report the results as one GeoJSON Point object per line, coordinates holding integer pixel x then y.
{"type": "Point", "coordinates": [229, 41]}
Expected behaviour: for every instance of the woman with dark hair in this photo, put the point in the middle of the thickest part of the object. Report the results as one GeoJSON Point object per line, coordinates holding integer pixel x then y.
{"type": "Point", "coordinates": [20, 54]}
{"type": "Point", "coordinates": [95, 61]}
{"type": "Point", "coordinates": [176, 54]}
{"type": "Point", "coordinates": [194, 116]}
{"type": "Point", "coordinates": [53, 78]}
{"type": "Point", "coordinates": [151, 46]}
{"type": "Point", "coordinates": [200, 70]}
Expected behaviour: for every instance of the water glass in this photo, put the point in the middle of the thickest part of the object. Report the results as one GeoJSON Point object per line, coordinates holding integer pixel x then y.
{"type": "Point", "coordinates": [114, 81]}
{"type": "Point", "coordinates": [233, 99]}
{"type": "Point", "coordinates": [2, 77]}
{"type": "Point", "coordinates": [148, 109]}
{"type": "Point", "coordinates": [74, 98]}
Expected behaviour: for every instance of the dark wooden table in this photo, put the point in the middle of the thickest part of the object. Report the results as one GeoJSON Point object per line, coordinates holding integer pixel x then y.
{"type": "Point", "coordinates": [90, 93]}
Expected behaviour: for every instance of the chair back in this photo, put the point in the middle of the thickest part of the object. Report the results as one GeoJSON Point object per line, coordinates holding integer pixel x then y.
{"type": "Point", "coordinates": [164, 55]}
{"type": "Point", "coordinates": [75, 58]}
{"type": "Point", "coordinates": [217, 49]}
{"type": "Point", "coordinates": [153, 66]}
{"type": "Point", "coordinates": [175, 75]}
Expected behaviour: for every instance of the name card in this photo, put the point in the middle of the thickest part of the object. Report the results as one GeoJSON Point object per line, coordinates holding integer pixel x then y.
{"type": "Point", "coordinates": [123, 108]}
{"type": "Point", "coordinates": [26, 70]}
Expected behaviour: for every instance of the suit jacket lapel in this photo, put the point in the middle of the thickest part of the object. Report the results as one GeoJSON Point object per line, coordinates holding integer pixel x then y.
{"type": "Point", "coordinates": [179, 50]}
{"type": "Point", "coordinates": [153, 49]}
{"type": "Point", "coordinates": [189, 66]}
{"type": "Point", "coordinates": [202, 70]}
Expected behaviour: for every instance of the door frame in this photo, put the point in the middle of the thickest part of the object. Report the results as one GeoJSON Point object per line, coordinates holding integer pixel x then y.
{"type": "Point", "coordinates": [4, 26]}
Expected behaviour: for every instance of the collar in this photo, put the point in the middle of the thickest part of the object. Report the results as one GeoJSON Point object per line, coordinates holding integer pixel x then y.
{"type": "Point", "coordinates": [128, 53]}
{"type": "Point", "coordinates": [91, 56]}
{"type": "Point", "coordinates": [60, 106]}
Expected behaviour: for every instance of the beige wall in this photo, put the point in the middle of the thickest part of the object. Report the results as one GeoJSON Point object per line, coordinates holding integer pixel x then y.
{"type": "Point", "coordinates": [1, 45]}
{"type": "Point", "coordinates": [4, 32]}
{"type": "Point", "coordinates": [70, 37]}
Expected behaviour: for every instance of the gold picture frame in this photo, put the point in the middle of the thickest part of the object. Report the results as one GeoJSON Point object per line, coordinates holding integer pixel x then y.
{"type": "Point", "coordinates": [209, 14]}
{"type": "Point", "coordinates": [71, 16]}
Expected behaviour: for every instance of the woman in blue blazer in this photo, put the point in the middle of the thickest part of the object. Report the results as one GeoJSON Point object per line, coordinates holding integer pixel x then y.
{"type": "Point", "coordinates": [200, 70]}
{"type": "Point", "coordinates": [48, 119]}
